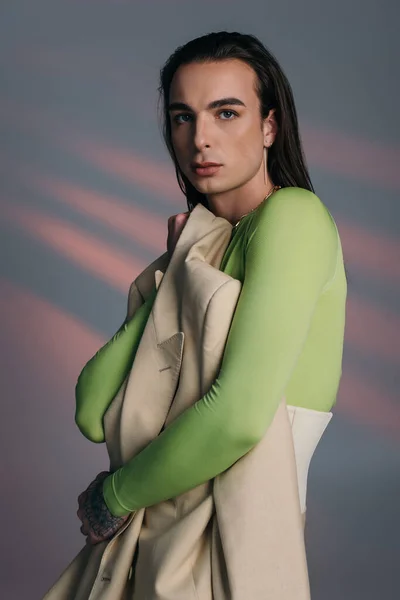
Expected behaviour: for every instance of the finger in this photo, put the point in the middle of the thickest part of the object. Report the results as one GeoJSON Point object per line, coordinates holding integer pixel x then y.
{"type": "Point", "coordinates": [180, 224]}
{"type": "Point", "coordinates": [178, 218]}
{"type": "Point", "coordinates": [84, 530]}
{"type": "Point", "coordinates": [182, 218]}
{"type": "Point", "coordinates": [82, 497]}
{"type": "Point", "coordinates": [96, 538]}
{"type": "Point", "coordinates": [85, 527]}
{"type": "Point", "coordinates": [171, 224]}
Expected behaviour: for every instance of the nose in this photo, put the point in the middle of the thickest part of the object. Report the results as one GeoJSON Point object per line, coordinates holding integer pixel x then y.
{"type": "Point", "coordinates": [202, 132]}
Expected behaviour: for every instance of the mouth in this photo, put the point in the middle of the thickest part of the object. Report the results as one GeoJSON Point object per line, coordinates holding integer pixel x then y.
{"type": "Point", "coordinates": [206, 168]}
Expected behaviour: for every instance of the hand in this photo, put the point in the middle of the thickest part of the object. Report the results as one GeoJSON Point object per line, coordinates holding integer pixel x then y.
{"type": "Point", "coordinates": [98, 524]}
{"type": "Point", "coordinates": [176, 223]}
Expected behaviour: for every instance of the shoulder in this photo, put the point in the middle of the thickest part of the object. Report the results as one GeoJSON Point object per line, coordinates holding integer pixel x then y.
{"type": "Point", "coordinates": [294, 200]}
{"type": "Point", "coordinates": [294, 223]}
{"type": "Point", "coordinates": [294, 208]}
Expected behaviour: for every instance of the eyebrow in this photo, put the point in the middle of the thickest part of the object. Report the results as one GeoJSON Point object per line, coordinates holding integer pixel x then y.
{"type": "Point", "coordinates": [214, 104]}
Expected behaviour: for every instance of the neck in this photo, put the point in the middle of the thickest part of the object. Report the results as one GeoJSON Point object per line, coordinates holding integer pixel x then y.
{"type": "Point", "coordinates": [233, 204]}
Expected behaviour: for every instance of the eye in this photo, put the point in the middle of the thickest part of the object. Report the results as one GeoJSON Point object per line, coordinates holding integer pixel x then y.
{"type": "Point", "coordinates": [228, 112]}
{"type": "Point", "coordinates": [179, 119]}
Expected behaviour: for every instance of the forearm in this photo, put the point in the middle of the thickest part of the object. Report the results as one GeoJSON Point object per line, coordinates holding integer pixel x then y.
{"type": "Point", "coordinates": [102, 376]}
{"type": "Point", "coordinates": [196, 447]}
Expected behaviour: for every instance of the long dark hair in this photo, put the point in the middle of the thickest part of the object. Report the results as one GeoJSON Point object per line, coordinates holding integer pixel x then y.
{"type": "Point", "coordinates": [286, 163]}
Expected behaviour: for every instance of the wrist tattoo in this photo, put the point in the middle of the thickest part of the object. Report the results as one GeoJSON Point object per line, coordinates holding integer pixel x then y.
{"type": "Point", "coordinates": [101, 521]}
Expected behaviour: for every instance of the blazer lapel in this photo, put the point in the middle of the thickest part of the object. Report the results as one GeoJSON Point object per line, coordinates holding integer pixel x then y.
{"type": "Point", "coordinates": [204, 237]}
{"type": "Point", "coordinates": [145, 281]}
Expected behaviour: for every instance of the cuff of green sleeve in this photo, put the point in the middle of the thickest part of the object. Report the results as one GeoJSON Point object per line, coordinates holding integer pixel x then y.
{"type": "Point", "coordinates": [110, 498]}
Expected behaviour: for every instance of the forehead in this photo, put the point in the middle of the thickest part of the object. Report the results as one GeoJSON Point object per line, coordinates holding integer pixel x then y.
{"type": "Point", "coordinates": [197, 84]}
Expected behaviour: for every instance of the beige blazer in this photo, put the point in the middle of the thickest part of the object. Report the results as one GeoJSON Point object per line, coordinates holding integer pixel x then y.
{"type": "Point", "coordinates": [239, 536]}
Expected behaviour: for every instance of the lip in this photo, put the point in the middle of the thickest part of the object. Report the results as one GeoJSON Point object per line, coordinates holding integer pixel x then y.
{"type": "Point", "coordinates": [196, 165]}
{"type": "Point", "coordinates": [205, 169]}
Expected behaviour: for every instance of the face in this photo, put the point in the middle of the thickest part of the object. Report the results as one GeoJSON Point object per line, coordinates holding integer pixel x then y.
{"type": "Point", "coordinates": [215, 117]}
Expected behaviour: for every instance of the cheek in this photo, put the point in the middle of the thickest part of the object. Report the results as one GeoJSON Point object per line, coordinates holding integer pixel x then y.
{"type": "Point", "coordinates": [247, 141]}
{"type": "Point", "coordinates": [246, 155]}
{"type": "Point", "coordinates": [254, 136]}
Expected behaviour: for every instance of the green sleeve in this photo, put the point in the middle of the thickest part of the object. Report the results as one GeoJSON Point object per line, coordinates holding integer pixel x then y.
{"type": "Point", "coordinates": [290, 259]}
{"type": "Point", "coordinates": [103, 375]}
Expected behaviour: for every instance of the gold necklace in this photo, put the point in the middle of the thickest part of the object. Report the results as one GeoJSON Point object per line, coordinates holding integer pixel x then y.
{"type": "Point", "coordinates": [272, 190]}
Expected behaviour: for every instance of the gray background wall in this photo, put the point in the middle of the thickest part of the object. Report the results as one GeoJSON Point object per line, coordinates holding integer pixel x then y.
{"type": "Point", "coordinates": [86, 188]}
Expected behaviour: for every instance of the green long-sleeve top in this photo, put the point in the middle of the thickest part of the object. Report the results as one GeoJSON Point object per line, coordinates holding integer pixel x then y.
{"type": "Point", "coordinates": [286, 338]}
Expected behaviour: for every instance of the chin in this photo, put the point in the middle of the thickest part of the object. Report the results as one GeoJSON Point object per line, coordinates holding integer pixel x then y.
{"type": "Point", "coordinates": [211, 186]}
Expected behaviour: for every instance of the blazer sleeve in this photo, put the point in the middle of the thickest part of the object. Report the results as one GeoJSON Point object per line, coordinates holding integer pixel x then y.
{"type": "Point", "coordinates": [290, 260]}
{"type": "Point", "coordinates": [102, 376]}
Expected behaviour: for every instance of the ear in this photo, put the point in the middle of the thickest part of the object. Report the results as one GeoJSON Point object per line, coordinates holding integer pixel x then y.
{"type": "Point", "coordinates": [270, 128]}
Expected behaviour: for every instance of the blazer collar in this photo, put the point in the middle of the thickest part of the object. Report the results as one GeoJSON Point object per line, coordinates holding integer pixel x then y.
{"type": "Point", "coordinates": [205, 238]}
